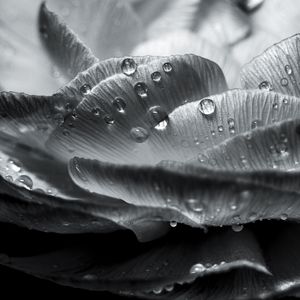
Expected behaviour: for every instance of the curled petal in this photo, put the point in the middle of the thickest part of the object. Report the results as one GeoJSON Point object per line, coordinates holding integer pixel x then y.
{"type": "Point", "coordinates": [192, 195]}
{"type": "Point", "coordinates": [276, 69]}
{"type": "Point", "coordinates": [120, 112]}
{"type": "Point", "coordinates": [88, 264]}
{"type": "Point", "coordinates": [63, 46]}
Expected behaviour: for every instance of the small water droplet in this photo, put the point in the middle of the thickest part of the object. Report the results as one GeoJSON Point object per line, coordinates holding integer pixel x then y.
{"type": "Point", "coordinates": [108, 119]}
{"type": "Point", "coordinates": [139, 134]}
{"type": "Point", "coordinates": [265, 85]}
{"type": "Point", "coordinates": [275, 106]}
{"type": "Point", "coordinates": [173, 224]}
{"type": "Point", "coordinates": [157, 290]}
{"type": "Point", "coordinates": [231, 125]}
{"type": "Point", "coordinates": [14, 165]}
{"type": "Point", "coordinates": [195, 205]}
{"type": "Point", "coordinates": [119, 104]}
{"type": "Point", "coordinates": [284, 81]}
{"type": "Point", "coordinates": [169, 288]}
{"type": "Point", "coordinates": [285, 101]}
{"type": "Point", "coordinates": [283, 217]}
{"type": "Point", "coordinates": [255, 124]}
{"type": "Point", "coordinates": [128, 66]}
{"type": "Point", "coordinates": [162, 125]}
{"type": "Point", "coordinates": [167, 67]}
{"type": "Point", "coordinates": [237, 227]}
{"type": "Point", "coordinates": [220, 128]}
{"type": "Point", "coordinates": [89, 277]}
{"type": "Point", "coordinates": [213, 133]}
{"type": "Point", "coordinates": [197, 269]}
{"type": "Point", "coordinates": [288, 69]}
{"type": "Point", "coordinates": [156, 76]}
{"type": "Point", "coordinates": [141, 89]}
{"type": "Point", "coordinates": [207, 106]}
{"type": "Point", "coordinates": [9, 178]}
{"type": "Point", "coordinates": [85, 89]}
{"type": "Point", "coordinates": [253, 217]}
{"type": "Point", "coordinates": [24, 181]}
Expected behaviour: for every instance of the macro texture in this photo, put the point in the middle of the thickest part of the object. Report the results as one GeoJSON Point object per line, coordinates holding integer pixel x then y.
{"type": "Point", "coordinates": [143, 170]}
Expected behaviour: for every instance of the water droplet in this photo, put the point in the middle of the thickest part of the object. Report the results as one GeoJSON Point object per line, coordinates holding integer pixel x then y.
{"type": "Point", "coordinates": [139, 134]}
{"type": "Point", "coordinates": [157, 290]}
{"type": "Point", "coordinates": [195, 205]}
{"type": "Point", "coordinates": [213, 133]}
{"type": "Point", "coordinates": [207, 106]}
{"type": "Point", "coordinates": [108, 119]}
{"type": "Point", "coordinates": [141, 89]}
{"type": "Point", "coordinates": [167, 67]}
{"type": "Point", "coordinates": [284, 81]}
{"type": "Point", "coordinates": [162, 125]}
{"type": "Point", "coordinates": [197, 269]}
{"type": "Point", "coordinates": [220, 128]}
{"type": "Point", "coordinates": [288, 69]}
{"type": "Point", "coordinates": [85, 89]}
{"type": "Point", "coordinates": [9, 178]}
{"type": "Point", "coordinates": [265, 85]}
{"type": "Point", "coordinates": [233, 204]}
{"type": "Point", "coordinates": [24, 181]}
{"type": "Point", "coordinates": [283, 217]}
{"type": "Point", "coordinates": [156, 77]}
{"type": "Point", "coordinates": [128, 66]}
{"type": "Point", "coordinates": [89, 277]}
{"type": "Point", "coordinates": [285, 101]}
{"type": "Point", "coordinates": [40, 191]}
{"type": "Point", "coordinates": [255, 124]}
{"type": "Point", "coordinates": [14, 166]}
{"type": "Point", "coordinates": [237, 227]}
{"type": "Point", "coordinates": [119, 104]}
{"type": "Point", "coordinates": [169, 288]}
{"type": "Point", "coordinates": [158, 117]}
{"type": "Point", "coordinates": [245, 194]}
{"type": "Point", "coordinates": [253, 216]}
{"type": "Point", "coordinates": [96, 111]}
{"type": "Point", "coordinates": [173, 224]}
{"type": "Point", "coordinates": [231, 124]}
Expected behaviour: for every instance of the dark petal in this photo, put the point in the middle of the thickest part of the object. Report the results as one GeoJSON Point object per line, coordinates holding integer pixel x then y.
{"type": "Point", "coordinates": [63, 46]}
{"type": "Point", "coordinates": [277, 67]}
{"type": "Point", "coordinates": [192, 195]}
{"type": "Point", "coordinates": [119, 111]}
{"type": "Point", "coordinates": [96, 263]}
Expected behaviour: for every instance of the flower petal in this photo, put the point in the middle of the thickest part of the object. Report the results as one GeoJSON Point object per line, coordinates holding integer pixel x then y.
{"type": "Point", "coordinates": [115, 118]}
{"type": "Point", "coordinates": [182, 42]}
{"type": "Point", "coordinates": [220, 22]}
{"type": "Point", "coordinates": [266, 148]}
{"type": "Point", "coordinates": [110, 28]}
{"type": "Point", "coordinates": [86, 263]}
{"type": "Point", "coordinates": [277, 68]}
{"type": "Point", "coordinates": [63, 46]}
{"type": "Point", "coordinates": [192, 195]}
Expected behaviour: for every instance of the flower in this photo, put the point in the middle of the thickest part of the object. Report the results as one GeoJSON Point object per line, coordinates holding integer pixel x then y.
{"type": "Point", "coordinates": [144, 143]}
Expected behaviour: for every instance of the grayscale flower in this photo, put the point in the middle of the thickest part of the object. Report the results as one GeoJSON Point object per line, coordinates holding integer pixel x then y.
{"type": "Point", "coordinates": [149, 171]}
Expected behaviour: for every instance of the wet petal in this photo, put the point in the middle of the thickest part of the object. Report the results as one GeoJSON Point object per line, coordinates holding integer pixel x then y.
{"type": "Point", "coordinates": [118, 114]}
{"type": "Point", "coordinates": [266, 148]}
{"type": "Point", "coordinates": [192, 195]}
{"type": "Point", "coordinates": [182, 42]}
{"type": "Point", "coordinates": [101, 266]}
{"type": "Point", "coordinates": [63, 46]}
{"type": "Point", "coordinates": [109, 27]}
{"type": "Point", "coordinates": [277, 66]}
{"type": "Point", "coordinates": [221, 22]}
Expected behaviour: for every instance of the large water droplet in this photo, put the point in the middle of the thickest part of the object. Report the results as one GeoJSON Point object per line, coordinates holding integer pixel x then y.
{"type": "Point", "coordinates": [237, 227]}
{"type": "Point", "coordinates": [195, 205]}
{"type": "Point", "coordinates": [141, 89]}
{"type": "Point", "coordinates": [288, 69]}
{"type": "Point", "coordinates": [139, 134]}
{"type": "Point", "coordinates": [265, 85]}
{"type": "Point", "coordinates": [197, 269]}
{"type": "Point", "coordinates": [156, 76]}
{"type": "Point", "coordinates": [207, 106]}
{"type": "Point", "coordinates": [119, 104]}
{"type": "Point", "coordinates": [284, 81]}
{"type": "Point", "coordinates": [173, 224]}
{"type": "Point", "coordinates": [167, 67]}
{"type": "Point", "coordinates": [128, 66]}
{"type": "Point", "coordinates": [85, 89]}
{"type": "Point", "coordinates": [24, 181]}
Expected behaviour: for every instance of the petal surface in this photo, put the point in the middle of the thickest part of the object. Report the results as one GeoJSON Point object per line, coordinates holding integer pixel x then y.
{"type": "Point", "coordinates": [123, 106]}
